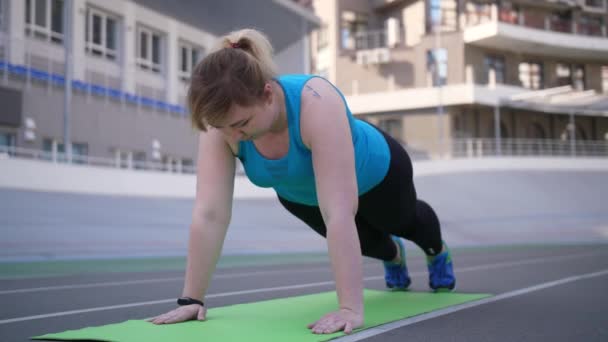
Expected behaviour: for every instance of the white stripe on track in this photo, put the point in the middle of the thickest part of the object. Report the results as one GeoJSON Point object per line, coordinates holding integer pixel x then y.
{"type": "Point", "coordinates": [263, 273]}
{"type": "Point", "coordinates": [438, 313]}
{"type": "Point", "coordinates": [283, 288]}
{"type": "Point", "coordinates": [163, 280]}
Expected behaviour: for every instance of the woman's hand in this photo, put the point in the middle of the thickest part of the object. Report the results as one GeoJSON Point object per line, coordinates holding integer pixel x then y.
{"type": "Point", "coordinates": [181, 314]}
{"type": "Point", "coordinates": [343, 319]}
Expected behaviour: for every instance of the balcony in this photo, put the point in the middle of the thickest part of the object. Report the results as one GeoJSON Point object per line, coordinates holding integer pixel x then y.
{"type": "Point", "coordinates": [374, 46]}
{"type": "Point", "coordinates": [553, 36]}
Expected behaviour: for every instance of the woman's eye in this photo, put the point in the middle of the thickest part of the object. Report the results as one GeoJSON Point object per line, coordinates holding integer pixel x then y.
{"type": "Point", "coordinates": [244, 123]}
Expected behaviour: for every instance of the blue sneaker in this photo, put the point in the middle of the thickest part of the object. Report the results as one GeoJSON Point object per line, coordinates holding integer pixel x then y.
{"type": "Point", "coordinates": [441, 271]}
{"type": "Point", "coordinates": [396, 275]}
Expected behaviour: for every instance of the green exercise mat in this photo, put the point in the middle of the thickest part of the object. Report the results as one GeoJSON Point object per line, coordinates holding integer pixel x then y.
{"type": "Point", "coordinates": [273, 320]}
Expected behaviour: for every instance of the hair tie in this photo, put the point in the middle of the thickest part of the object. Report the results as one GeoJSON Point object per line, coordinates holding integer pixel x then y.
{"type": "Point", "coordinates": [235, 45]}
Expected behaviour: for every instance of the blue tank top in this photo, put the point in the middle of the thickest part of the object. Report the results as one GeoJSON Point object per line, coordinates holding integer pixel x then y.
{"type": "Point", "coordinates": [292, 176]}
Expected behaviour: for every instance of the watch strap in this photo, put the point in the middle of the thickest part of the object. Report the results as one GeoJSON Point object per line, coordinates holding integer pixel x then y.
{"type": "Point", "coordinates": [189, 301]}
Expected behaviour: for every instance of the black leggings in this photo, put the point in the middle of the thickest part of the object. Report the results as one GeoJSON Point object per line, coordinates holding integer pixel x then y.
{"type": "Point", "coordinates": [391, 207]}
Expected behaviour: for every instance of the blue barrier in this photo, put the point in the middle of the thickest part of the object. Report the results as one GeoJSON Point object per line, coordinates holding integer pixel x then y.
{"type": "Point", "coordinates": [115, 94]}
{"type": "Point", "coordinates": [98, 90]}
{"type": "Point", "coordinates": [39, 75]}
{"type": "Point", "coordinates": [146, 101]}
{"type": "Point", "coordinates": [79, 85]}
{"type": "Point", "coordinates": [59, 80]}
{"type": "Point", "coordinates": [17, 69]}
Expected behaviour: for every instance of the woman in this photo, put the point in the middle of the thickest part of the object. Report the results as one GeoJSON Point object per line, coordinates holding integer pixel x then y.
{"type": "Point", "coordinates": [346, 179]}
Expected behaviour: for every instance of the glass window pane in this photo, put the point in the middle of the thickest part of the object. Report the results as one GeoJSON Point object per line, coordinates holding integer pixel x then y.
{"type": "Point", "coordinates": [47, 145]}
{"type": "Point", "coordinates": [96, 29]}
{"type": "Point", "coordinates": [57, 16]}
{"type": "Point", "coordinates": [155, 49]}
{"type": "Point", "coordinates": [143, 45]}
{"type": "Point", "coordinates": [184, 66]}
{"type": "Point", "coordinates": [110, 34]}
{"type": "Point", "coordinates": [40, 14]}
{"type": "Point", "coordinates": [195, 54]}
{"type": "Point", "coordinates": [28, 11]}
{"type": "Point", "coordinates": [86, 27]}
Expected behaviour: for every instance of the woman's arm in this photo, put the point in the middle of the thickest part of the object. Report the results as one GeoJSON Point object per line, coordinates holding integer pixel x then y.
{"type": "Point", "coordinates": [210, 219]}
{"type": "Point", "coordinates": [211, 213]}
{"type": "Point", "coordinates": [325, 130]}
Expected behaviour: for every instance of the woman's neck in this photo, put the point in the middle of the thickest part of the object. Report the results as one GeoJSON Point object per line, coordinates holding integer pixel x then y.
{"type": "Point", "coordinates": [280, 122]}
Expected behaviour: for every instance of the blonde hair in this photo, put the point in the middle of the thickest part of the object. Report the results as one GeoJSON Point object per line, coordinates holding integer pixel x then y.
{"type": "Point", "coordinates": [235, 72]}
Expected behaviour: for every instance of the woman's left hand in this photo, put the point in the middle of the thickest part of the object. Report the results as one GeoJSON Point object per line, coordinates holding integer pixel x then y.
{"type": "Point", "coordinates": [343, 319]}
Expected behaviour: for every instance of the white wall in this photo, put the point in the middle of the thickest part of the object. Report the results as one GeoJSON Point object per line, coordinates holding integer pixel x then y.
{"type": "Point", "coordinates": [46, 176]}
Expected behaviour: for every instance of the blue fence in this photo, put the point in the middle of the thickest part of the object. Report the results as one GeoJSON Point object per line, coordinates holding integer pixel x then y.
{"type": "Point", "coordinates": [95, 89]}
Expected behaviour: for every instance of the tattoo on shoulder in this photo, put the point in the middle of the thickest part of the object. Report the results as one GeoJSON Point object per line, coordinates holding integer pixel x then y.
{"type": "Point", "coordinates": [314, 92]}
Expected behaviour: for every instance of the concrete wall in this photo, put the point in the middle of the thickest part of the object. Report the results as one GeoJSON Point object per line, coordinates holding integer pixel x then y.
{"type": "Point", "coordinates": [50, 177]}
{"type": "Point", "coordinates": [45, 176]}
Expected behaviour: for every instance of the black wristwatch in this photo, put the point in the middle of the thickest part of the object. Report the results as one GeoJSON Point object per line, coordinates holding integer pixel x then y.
{"type": "Point", "coordinates": [189, 301]}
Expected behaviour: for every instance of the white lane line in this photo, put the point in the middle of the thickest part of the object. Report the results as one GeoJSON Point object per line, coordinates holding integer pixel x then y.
{"type": "Point", "coordinates": [163, 280]}
{"type": "Point", "coordinates": [262, 273]}
{"type": "Point", "coordinates": [409, 321]}
{"type": "Point", "coordinates": [281, 288]}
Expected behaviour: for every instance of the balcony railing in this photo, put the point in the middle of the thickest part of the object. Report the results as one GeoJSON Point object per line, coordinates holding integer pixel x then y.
{"type": "Point", "coordinates": [372, 39]}
{"type": "Point", "coordinates": [585, 25]}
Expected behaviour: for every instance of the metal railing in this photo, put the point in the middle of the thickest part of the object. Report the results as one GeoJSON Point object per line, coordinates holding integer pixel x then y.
{"type": "Point", "coordinates": [455, 148]}
{"type": "Point", "coordinates": [372, 39]}
{"type": "Point", "coordinates": [489, 147]}
{"type": "Point", "coordinates": [119, 163]}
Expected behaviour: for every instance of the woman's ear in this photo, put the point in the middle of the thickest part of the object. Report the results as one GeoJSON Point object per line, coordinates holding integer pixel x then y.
{"type": "Point", "coordinates": [268, 93]}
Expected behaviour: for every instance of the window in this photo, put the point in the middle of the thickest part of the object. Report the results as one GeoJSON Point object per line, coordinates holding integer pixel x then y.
{"type": "Point", "coordinates": [434, 15]}
{"type": "Point", "coordinates": [2, 10]}
{"type": "Point", "coordinates": [6, 140]}
{"type": "Point", "coordinates": [571, 75]}
{"type": "Point", "coordinates": [496, 63]}
{"type": "Point", "coordinates": [352, 25]}
{"type": "Point", "coordinates": [101, 34]}
{"type": "Point", "coordinates": [188, 166]}
{"type": "Point", "coordinates": [44, 19]}
{"type": "Point", "coordinates": [322, 37]}
{"type": "Point", "coordinates": [595, 3]}
{"type": "Point", "coordinates": [563, 75]}
{"type": "Point", "coordinates": [437, 65]}
{"type": "Point", "coordinates": [578, 77]}
{"type": "Point", "coordinates": [189, 56]}
{"type": "Point", "coordinates": [477, 12]}
{"type": "Point", "coordinates": [531, 75]}
{"type": "Point", "coordinates": [149, 50]}
{"type": "Point", "coordinates": [80, 151]}
{"type": "Point", "coordinates": [605, 79]}
{"type": "Point", "coordinates": [392, 127]}
{"type": "Point", "coordinates": [590, 25]}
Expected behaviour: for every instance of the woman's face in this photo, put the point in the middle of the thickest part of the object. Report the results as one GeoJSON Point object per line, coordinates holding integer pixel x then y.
{"type": "Point", "coordinates": [249, 123]}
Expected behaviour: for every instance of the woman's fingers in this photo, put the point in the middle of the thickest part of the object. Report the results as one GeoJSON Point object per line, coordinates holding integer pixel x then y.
{"type": "Point", "coordinates": [181, 314]}
{"type": "Point", "coordinates": [202, 313]}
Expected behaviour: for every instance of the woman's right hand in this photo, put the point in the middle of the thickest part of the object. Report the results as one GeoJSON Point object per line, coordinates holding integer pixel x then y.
{"type": "Point", "coordinates": [181, 314]}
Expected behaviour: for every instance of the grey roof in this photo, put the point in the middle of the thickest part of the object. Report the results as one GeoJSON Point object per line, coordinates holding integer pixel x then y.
{"type": "Point", "coordinates": [561, 100]}
{"type": "Point", "coordinates": [281, 20]}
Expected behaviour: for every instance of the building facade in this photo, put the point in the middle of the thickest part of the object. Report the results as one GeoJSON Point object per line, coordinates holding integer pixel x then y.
{"type": "Point", "coordinates": [438, 74]}
{"type": "Point", "coordinates": [129, 67]}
